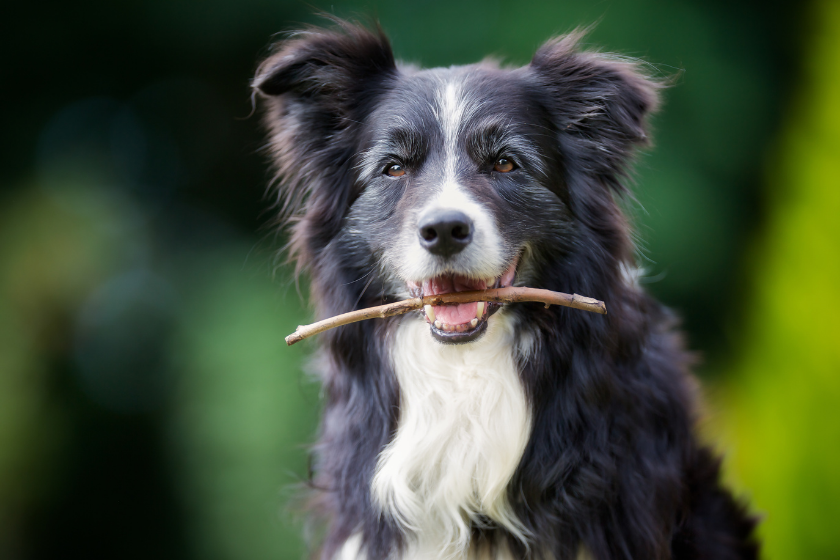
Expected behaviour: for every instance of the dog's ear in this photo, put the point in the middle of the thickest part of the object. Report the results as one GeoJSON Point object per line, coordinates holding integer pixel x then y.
{"type": "Point", "coordinates": [600, 102]}
{"type": "Point", "coordinates": [333, 69]}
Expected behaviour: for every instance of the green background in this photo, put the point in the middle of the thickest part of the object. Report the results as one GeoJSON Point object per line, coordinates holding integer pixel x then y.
{"type": "Point", "coordinates": [148, 405]}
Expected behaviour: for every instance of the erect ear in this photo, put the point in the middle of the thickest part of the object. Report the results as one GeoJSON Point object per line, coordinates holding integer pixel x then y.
{"type": "Point", "coordinates": [327, 66]}
{"type": "Point", "coordinates": [600, 102]}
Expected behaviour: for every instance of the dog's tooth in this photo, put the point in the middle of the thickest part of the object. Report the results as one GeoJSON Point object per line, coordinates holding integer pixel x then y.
{"type": "Point", "coordinates": [438, 324]}
{"type": "Point", "coordinates": [479, 309]}
{"type": "Point", "coordinates": [430, 313]}
{"type": "Point", "coordinates": [474, 323]}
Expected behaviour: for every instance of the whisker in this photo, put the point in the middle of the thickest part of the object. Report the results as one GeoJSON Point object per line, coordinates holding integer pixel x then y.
{"type": "Point", "coordinates": [360, 278]}
{"type": "Point", "coordinates": [363, 291]}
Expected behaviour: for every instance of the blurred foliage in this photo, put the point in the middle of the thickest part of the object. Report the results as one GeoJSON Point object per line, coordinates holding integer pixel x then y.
{"type": "Point", "coordinates": [50, 258]}
{"type": "Point", "coordinates": [779, 407]}
{"type": "Point", "coordinates": [148, 406]}
{"type": "Point", "coordinates": [242, 410]}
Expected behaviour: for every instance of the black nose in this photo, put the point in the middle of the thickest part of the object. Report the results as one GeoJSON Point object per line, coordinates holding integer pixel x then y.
{"type": "Point", "coordinates": [445, 232]}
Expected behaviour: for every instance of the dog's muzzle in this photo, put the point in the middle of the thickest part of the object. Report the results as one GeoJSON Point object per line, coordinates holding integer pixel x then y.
{"type": "Point", "coordinates": [461, 322]}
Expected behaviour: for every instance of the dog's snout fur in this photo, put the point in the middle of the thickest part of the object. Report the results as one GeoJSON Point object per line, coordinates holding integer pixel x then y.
{"type": "Point", "coordinates": [445, 232]}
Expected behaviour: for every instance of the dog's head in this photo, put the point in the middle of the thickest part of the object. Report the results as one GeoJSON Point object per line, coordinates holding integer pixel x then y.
{"type": "Point", "coordinates": [403, 181]}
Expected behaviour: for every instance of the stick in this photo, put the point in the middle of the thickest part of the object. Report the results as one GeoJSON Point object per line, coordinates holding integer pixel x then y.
{"type": "Point", "coordinates": [499, 295]}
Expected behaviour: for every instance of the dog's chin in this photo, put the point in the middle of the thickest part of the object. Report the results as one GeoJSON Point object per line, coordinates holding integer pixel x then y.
{"type": "Point", "coordinates": [448, 337]}
{"type": "Point", "coordinates": [470, 334]}
{"type": "Point", "coordinates": [464, 322]}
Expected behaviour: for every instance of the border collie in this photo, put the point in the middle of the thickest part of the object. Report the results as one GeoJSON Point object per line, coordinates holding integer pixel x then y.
{"type": "Point", "coordinates": [479, 430]}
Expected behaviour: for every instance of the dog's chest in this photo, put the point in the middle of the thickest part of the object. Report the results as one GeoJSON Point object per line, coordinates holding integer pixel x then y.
{"type": "Point", "coordinates": [463, 426]}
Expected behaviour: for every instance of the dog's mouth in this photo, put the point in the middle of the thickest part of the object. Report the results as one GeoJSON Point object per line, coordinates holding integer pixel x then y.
{"type": "Point", "coordinates": [460, 322]}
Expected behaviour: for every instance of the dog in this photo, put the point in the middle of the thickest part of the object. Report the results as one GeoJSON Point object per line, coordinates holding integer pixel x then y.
{"type": "Point", "coordinates": [482, 430]}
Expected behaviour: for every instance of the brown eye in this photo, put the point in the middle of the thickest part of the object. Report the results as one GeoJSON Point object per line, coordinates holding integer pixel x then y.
{"type": "Point", "coordinates": [504, 165]}
{"type": "Point", "coordinates": [395, 170]}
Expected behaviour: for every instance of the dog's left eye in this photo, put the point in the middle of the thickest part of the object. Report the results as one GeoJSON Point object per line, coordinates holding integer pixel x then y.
{"type": "Point", "coordinates": [504, 165]}
{"type": "Point", "coordinates": [395, 170]}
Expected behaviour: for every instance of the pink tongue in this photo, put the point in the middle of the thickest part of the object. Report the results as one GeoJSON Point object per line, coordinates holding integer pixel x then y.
{"type": "Point", "coordinates": [456, 314]}
{"type": "Point", "coordinates": [453, 314]}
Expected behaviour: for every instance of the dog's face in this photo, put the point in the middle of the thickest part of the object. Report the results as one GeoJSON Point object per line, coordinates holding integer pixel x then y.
{"type": "Point", "coordinates": [434, 181]}
{"type": "Point", "coordinates": [454, 189]}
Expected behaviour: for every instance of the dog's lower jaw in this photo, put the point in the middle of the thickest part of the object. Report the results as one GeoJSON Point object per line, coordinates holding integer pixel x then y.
{"type": "Point", "coordinates": [464, 424]}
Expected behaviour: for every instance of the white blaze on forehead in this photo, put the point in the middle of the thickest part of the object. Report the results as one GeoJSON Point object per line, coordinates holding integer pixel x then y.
{"type": "Point", "coordinates": [450, 116]}
{"type": "Point", "coordinates": [454, 108]}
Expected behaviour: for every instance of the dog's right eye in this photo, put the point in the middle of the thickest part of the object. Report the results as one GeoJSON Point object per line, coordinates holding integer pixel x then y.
{"type": "Point", "coordinates": [395, 170]}
{"type": "Point", "coordinates": [504, 165]}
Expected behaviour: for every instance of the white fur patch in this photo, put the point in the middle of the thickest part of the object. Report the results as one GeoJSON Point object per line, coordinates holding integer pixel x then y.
{"type": "Point", "coordinates": [450, 113]}
{"type": "Point", "coordinates": [464, 423]}
{"type": "Point", "coordinates": [630, 274]}
{"type": "Point", "coordinates": [352, 551]}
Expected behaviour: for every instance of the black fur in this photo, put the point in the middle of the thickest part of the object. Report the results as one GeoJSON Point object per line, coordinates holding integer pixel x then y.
{"type": "Point", "coordinates": [613, 461]}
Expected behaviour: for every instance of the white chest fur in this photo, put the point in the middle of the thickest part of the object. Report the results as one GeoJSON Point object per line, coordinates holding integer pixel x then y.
{"type": "Point", "coordinates": [464, 423]}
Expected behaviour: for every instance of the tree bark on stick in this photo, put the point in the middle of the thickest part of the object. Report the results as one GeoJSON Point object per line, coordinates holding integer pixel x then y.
{"type": "Point", "coordinates": [499, 295]}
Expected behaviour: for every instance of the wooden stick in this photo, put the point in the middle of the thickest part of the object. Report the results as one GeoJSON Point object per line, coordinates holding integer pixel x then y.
{"type": "Point", "coordinates": [499, 295]}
